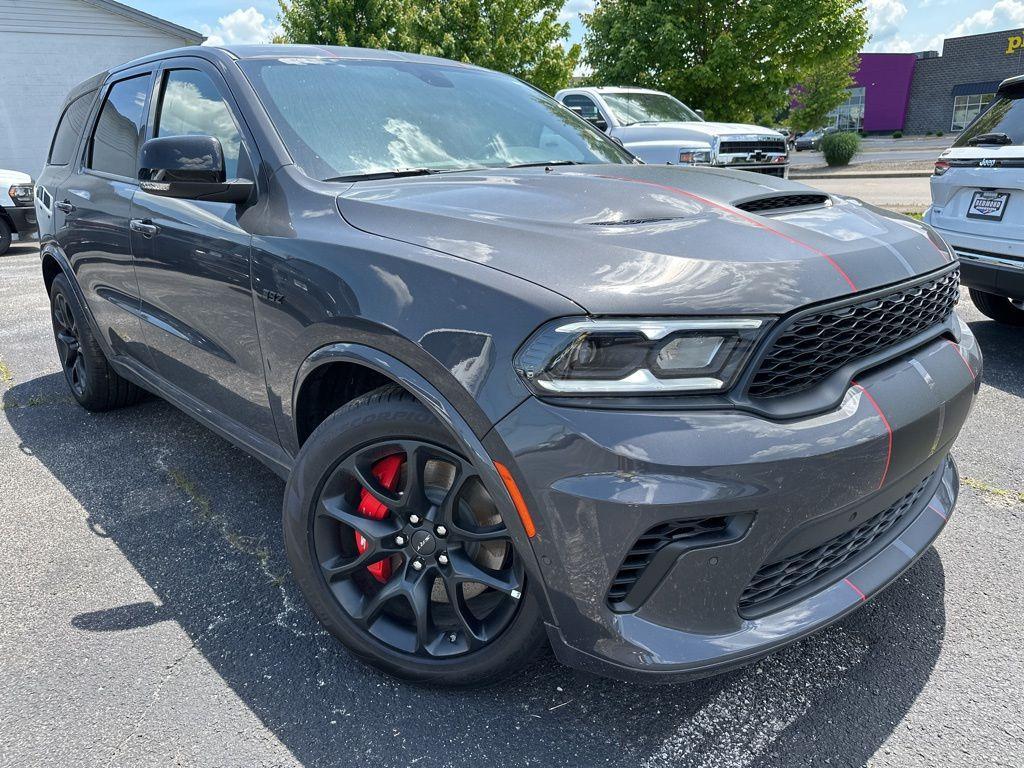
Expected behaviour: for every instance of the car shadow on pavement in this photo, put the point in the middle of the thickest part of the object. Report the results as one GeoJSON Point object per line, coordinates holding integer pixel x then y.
{"type": "Point", "coordinates": [200, 522]}
{"type": "Point", "coordinates": [1003, 348]}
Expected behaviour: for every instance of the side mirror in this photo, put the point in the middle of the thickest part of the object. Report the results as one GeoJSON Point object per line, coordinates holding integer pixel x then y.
{"type": "Point", "coordinates": [594, 117]}
{"type": "Point", "coordinates": [700, 113]}
{"type": "Point", "coordinates": [189, 168]}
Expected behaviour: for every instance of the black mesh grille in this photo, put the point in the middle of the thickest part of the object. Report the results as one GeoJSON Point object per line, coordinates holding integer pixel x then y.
{"type": "Point", "coordinates": [820, 566]}
{"type": "Point", "coordinates": [648, 545]}
{"type": "Point", "coordinates": [813, 346]}
{"type": "Point", "coordinates": [768, 170]}
{"type": "Point", "coordinates": [743, 147]}
{"type": "Point", "coordinates": [777, 202]}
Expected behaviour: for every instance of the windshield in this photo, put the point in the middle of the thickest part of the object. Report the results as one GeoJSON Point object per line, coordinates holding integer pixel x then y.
{"type": "Point", "coordinates": [630, 108]}
{"type": "Point", "coordinates": [350, 118]}
{"type": "Point", "coordinates": [1003, 116]}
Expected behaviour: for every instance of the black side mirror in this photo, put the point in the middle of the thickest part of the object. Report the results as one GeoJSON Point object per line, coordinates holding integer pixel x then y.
{"type": "Point", "coordinates": [700, 113]}
{"type": "Point", "coordinates": [592, 117]}
{"type": "Point", "coordinates": [189, 168]}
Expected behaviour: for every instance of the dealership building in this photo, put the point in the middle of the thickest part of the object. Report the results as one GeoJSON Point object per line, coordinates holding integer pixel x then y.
{"type": "Point", "coordinates": [920, 92]}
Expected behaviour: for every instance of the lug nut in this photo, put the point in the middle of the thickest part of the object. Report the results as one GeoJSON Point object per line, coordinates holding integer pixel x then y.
{"type": "Point", "coordinates": [442, 559]}
{"type": "Point", "coordinates": [417, 565]}
{"type": "Point", "coordinates": [400, 541]}
{"type": "Point", "coordinates": [414, 519]}
{"type": "Point", "coordinates": [441, 530]}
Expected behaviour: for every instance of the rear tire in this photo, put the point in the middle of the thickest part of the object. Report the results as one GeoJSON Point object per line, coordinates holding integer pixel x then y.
{"type": "Point", "coordinates": [339, 598]}
{"type": "Point", "coordinates": [5, 236]}
{"type": "Point", "coordinates": [998, 308]}
{"type": "Point", "coordinates": [93, 383]}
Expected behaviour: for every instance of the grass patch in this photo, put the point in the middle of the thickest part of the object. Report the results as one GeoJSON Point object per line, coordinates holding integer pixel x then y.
{"type": "Point", "coordinates": [6, 375]}
{"type": "Point", "coordinates": [914, 215]}
{"type": "Point", "coordinates": [992, 490]}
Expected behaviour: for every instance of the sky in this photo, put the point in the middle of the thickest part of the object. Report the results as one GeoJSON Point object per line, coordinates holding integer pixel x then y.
{"type": "Point", "coordinates": [896, 25]}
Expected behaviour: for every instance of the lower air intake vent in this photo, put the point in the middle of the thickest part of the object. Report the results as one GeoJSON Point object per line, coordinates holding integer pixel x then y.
{"type": "Point", "coordinates": [783, 202]}
{"type": "Point", "coordinates": [706, 529]}
{"type": "Point", "coordinates": [793, 578]}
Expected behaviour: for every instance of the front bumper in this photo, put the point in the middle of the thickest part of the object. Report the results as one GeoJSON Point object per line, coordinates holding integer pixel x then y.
{"type": "Point", "coordinates": [23, 220]}
{"type": "Point", "coordinates": [599, 481]}
{"type": "Point", "coordinates": [990, 264]}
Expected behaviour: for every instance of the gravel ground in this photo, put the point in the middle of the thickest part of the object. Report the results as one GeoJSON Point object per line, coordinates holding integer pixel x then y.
{"type": "Point", "coordinates": [149, 618]}
{"type": "Point", "coordinates": [906, 195]}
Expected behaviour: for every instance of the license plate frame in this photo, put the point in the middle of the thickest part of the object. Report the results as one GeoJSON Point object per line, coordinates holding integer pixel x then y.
{"type": "Point", "coordinates": [987, 211]}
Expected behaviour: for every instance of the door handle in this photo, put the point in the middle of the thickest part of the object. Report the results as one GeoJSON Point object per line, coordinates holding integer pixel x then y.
{"type": "Point", "coordinates": [66, 206]}
{"type": "Point", "coordinates": [144, 227]}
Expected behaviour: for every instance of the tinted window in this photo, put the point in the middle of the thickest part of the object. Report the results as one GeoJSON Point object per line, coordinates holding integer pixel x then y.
{"type": "Point", "coordinates": [70, 127]}
{"type": "Point", "coordinates": [587, 108]}
{"type": "Point", "coordinates": [1003, 116]}
{"type": "Point", "coordinates": [115, 142]}
{"type": "Point", "coordinates": [351, 117]}
{"type": "Point", "coordinates": [192, 106]}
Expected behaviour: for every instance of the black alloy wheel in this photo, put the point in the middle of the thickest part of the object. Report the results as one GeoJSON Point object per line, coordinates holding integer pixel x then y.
{"type": "Point", "coordinates": [69, 346]}
{"type": "Point", "coordinates": [436, 576]}
{"type": "Point", "coordinates": [401, 551]}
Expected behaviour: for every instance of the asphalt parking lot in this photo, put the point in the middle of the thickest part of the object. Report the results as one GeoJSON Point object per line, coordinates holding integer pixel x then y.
{"type": "Point", "coordinates": [149, 618]}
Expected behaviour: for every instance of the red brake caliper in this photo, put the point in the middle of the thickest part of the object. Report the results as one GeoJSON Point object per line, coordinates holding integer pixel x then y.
{"type": "Point", "coordinates": [386, 471]}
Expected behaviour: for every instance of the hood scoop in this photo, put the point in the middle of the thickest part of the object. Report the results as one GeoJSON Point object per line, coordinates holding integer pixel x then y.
{"type": "Point", "coordinates": [785, 202]}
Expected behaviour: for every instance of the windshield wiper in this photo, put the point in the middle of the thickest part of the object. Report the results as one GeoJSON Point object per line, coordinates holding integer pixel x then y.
{"type": "Point", "coordinates": [546, 162]}
{"type": "Point", "coordinates": [989, 138]}
{"type": "Point", "coordinates": [397, 173]}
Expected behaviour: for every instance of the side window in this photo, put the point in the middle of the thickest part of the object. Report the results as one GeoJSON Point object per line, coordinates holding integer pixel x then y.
{"type": "Point", "coordinates": [191, 105]}
{"type": "Point", "coordinates": [115, 141]}
{"type": "Point", "coordinates": [70, 127]}
{"type": "Point", "coordinates": [582, 105]}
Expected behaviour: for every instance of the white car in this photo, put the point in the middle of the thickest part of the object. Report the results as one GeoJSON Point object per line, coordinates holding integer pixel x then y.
{"type": "Point", "coordinates": [978, 204]}
{"type": "Point", "coordinates": [17, 214]}
{"type": "Point", "coordinates": [660, 129]}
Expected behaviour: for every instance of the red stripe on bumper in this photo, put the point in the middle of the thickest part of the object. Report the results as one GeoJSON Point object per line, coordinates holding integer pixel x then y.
{"type": "Point", "coordinates": [888, 429]}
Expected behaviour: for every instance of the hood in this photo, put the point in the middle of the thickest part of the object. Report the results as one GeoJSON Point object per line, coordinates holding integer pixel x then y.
{"type": "Point", "coordinates": [690, 130]}
{"type": "Point", "coordinates": [635, 239]}
{"type": "Point", "coordinates": [7, 178]}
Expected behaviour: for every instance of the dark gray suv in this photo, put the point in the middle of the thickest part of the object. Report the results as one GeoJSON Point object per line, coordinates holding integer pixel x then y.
{"type": "Point", "coordinates": [523, 388]}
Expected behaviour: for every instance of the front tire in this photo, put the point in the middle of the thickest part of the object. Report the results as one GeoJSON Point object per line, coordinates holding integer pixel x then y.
{"type": "Point", "coordinates": [5, 236]}
{"type": "Point", "coordinates": [400, 551]}
{"type": "Point", "coordinates": [93, 383]}
{"type": "Point", "coordinates": [998, 308]}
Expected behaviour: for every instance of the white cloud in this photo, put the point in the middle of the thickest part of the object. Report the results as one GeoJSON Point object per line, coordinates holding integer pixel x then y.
{"type": "Point", "coordinates": [574, 8]}
{"type": "Point", "coordinates": [884, 17]}
{"type": "Point", "coordinates": [241, 27]}
{"type": "Point", "coordinates": [1005, 14]}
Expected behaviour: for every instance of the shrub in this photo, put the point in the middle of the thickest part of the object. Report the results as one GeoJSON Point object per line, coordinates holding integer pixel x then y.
{"type": "Point", "coordinates": [928, 133]}
{"type": "Point", "coordinates": [839, 148]}
{"type": "Point", "coordinates": [939, 133]}
{"type": "Point", "coordinates": [897, 134]}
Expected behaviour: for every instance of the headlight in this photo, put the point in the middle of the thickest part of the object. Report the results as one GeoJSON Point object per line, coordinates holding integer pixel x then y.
{"type": "Point", "coordinates": [20, 193]}
{"type": "Point", "coordinates": [641, 356]}
{"type": "Point", "coordinates": [694, 156]}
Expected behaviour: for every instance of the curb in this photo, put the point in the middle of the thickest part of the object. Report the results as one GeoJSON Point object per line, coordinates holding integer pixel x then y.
{"type": "Point", "coordinates": [860, 175]}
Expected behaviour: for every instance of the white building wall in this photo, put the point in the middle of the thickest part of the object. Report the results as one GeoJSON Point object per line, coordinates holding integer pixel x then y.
{"type": "Point", "coordinates": [47, 47]}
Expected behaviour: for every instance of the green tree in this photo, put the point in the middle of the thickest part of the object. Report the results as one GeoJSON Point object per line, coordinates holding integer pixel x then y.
{"type": "Point", "coordinates": [735, 59]}
{"type": "Point", "coordinates": [819, 93]}
{"type": "Point", "coordinates": [521, 37]}
{"type": "Point", "coordinates": [358, 23]}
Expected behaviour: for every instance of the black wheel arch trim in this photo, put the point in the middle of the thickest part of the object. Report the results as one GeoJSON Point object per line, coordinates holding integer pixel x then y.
{"type": "Point", "coordinates": [467, 439]}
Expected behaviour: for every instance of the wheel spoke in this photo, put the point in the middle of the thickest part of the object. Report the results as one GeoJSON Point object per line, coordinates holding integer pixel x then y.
{"type": "Point", "coordinates": [417, 593]}
{"type": "Point", "coordinates": [340, 566]}
{"type": "Point", "coordinates": [463, 569]}
{"type": "Point", "coordinates": [376, 532]}
{"type": "Point", "coordinates": [372, 606]}
{"type": "Point", "coordinates": [471, 626]}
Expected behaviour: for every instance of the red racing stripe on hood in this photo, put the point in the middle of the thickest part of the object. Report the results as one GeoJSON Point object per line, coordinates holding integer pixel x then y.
{"type": "Point", "coordinates": [736, 212]}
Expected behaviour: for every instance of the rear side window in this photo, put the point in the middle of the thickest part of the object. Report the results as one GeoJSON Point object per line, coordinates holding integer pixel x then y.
{"type": "Point", "coordinates": [70, 127]}
{"type": "Point", "coordinates": [115, 141]}
{"type": "Point", "coordinates": [1001, 123]}
{"type": "Point", "coordinates": [191, 105]}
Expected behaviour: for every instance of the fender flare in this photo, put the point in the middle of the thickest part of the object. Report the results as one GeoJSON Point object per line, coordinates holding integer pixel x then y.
{"type": "Point", "coordinates": [54, 251]}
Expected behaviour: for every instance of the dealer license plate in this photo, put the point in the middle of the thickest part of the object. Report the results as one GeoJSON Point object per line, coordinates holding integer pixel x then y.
{"type": "Point", "coordinates": [988, 205]}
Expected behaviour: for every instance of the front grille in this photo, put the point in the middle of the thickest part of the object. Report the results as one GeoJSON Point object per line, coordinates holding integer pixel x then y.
{"type": "Point", "coordinates": [746, 147]}
{"type": "Point", "coordinates": [768, 170]}
{"type": "Point", "coordinates": [785, 581]}
{"type": "Point", "coordinates": [778, 202]}
{"type": "Point", "coordinates": [813, 346]}
{"type": "Point", "coordinates": [648, 545]}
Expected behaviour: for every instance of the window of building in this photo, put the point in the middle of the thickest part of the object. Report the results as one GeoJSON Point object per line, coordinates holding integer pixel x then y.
{"type": "Point", "coordinates": [192, 106]}
{"type": "Point", "coordinates": [115, 140]}
{"type": "Point", "coordinates": [849, 116]}
{"type": "Point", "coordinates": [966, 108]}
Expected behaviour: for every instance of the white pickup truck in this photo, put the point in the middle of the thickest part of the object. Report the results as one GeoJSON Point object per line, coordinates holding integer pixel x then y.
{"type": "Point", "coordinates": [17, 214]}
{"type": "Point", "coordinates": [658, 128]}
